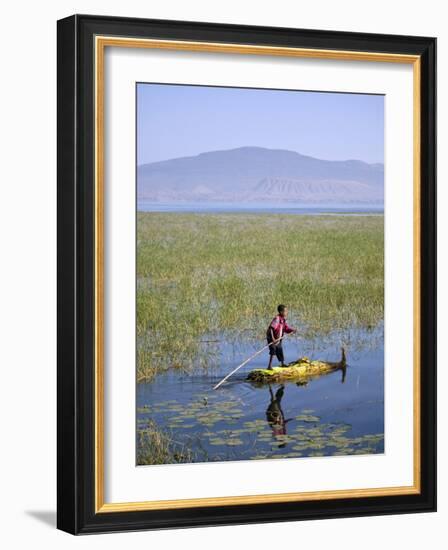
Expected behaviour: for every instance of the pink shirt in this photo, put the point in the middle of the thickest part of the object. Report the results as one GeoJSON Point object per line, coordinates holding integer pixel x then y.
{"type": "Point", "coordinates": [279, 327]}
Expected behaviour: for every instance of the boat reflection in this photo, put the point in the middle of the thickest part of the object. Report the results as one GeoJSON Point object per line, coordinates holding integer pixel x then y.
{"type": "Point", "coordinates": [274, 412]}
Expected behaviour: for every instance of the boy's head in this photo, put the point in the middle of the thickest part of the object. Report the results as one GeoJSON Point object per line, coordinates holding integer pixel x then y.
{"type": "Point", "coordinates": [282, 311]}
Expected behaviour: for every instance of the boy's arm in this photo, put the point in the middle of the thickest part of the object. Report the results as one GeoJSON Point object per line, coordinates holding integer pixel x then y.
{"type": "Point", "coordinates": [273, 327]}
{"type": "Point", "coordinates": [273, 338]}
{"type": "Point", "coordinates": [289, 329]}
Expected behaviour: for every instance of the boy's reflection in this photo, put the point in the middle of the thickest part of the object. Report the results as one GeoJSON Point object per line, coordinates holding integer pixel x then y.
{"type": "Point", "coordinates": [274, 412]}
{"type": "Point", "coordinates": [275, 415]}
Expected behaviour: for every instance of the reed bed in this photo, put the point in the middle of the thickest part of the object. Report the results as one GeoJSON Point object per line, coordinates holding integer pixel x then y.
{"type": "Point", "coordinates": [156, 446]}
{"type": "Point", "coordinates": [205, 277]}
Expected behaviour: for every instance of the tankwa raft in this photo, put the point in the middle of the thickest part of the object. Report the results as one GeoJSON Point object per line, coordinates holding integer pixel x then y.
{"type": "Point", "coordinates": [301, 370]}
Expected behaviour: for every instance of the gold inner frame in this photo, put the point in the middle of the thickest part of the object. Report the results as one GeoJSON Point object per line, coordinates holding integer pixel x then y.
{"type": "Point", "coordinates": [101, 42]}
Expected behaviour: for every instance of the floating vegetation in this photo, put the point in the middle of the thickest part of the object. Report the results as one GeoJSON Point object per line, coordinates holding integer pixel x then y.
{"type": "Point", "coordinates": [210, 423]}
{"type": "Point", "coordinates": [307, 418]}
{"type": "Point", "coordinates": [217, 441]}
{"type": "Point", "coordinates": [234, 441]}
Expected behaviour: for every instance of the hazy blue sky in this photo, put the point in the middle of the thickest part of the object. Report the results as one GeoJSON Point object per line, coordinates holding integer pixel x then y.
{"type": "Point", "coordinates": [177, 121]}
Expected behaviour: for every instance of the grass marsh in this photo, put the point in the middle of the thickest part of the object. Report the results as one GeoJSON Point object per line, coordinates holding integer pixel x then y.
{"type": "Point", "coordinates": [200, 276]}
{"type": "Point", "coordinates": [156, 446]}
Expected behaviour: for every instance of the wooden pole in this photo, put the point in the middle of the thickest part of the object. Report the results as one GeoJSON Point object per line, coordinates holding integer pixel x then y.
{"type": "Point", "coordinates": [247, 361]}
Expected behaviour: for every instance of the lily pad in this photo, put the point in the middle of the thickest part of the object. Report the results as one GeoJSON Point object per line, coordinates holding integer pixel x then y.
{"type": "Point", "coordinates": [233, 442]}
{"type": "Point", "coordinates": [307, 418]}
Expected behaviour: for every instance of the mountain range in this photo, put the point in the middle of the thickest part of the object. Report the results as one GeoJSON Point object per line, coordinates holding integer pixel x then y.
{"type": "Point", "coordinates": [259, 174]}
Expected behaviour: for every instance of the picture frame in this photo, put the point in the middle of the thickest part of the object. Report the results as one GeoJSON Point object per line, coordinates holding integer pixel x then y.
{"type": "Point", "coordinates": [82, 42]}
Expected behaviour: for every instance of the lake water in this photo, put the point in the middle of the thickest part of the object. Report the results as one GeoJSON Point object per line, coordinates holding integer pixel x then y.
{"type": "Point", "coordinates": [336, 414]}
{"type": "Point", "coordinates": [257, 208]}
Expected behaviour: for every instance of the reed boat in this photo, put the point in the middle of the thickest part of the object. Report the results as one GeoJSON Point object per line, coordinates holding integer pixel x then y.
{"type": "Point", "coordinates": [301, 370]}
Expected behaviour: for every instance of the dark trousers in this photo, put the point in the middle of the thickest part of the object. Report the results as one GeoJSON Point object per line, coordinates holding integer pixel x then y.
{"type": "Point", "coordinates": [277, 350]}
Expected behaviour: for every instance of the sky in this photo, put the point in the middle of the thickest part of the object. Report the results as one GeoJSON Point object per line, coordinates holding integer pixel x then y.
{"type": "Point", "coordinates": [177, 121]}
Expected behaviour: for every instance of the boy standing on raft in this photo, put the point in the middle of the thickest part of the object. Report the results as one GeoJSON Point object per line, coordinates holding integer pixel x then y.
{"type": "Point", "coordinates": [276, 330]}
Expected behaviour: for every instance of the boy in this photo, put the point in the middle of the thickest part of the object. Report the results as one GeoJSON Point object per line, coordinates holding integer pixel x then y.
{"type": "Point", "coordinates": [276, 330]}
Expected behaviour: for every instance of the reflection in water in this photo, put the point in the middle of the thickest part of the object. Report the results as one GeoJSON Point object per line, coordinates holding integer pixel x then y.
{"type": "Point", "coordinates": [332, 415]}
{"type": "Point", "coordinates": [305, 381]}
{"type": "Point", "coordinates": [274, 413]}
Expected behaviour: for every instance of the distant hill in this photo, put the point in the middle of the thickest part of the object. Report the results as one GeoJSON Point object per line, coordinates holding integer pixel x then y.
{"type": "Point", "coordinates": [259, 174]}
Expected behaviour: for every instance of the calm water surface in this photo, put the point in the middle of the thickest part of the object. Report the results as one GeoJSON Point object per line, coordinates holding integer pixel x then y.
{"type": "Point", "coordinates": [258, 208]}
{"type": "Point", "coordinates": [335, 414]}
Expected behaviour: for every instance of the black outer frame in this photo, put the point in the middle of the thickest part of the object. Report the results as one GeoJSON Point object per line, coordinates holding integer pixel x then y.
{"type": "Point", "coordinates": [75, 272]}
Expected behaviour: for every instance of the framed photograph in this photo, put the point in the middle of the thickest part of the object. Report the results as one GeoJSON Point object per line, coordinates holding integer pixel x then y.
{"type": "Point", "coordinates": [246, 274]}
